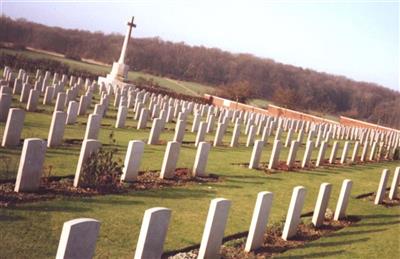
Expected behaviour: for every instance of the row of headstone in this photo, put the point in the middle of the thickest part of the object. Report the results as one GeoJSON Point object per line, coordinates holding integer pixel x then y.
{"type": "Point", "coordinates": [380, 194]}
{"type": "Point", "coordinates": [78, 236]}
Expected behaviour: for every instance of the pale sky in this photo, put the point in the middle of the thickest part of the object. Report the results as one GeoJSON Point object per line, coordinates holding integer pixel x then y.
{"type": "Point", "coordinates": [357, 39]}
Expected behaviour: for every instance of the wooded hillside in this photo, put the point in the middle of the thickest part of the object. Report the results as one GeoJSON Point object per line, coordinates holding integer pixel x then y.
{"type": "Point", "coordinates": [289, 86]}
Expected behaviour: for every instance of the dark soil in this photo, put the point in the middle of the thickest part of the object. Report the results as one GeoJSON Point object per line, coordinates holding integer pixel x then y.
{"type": "Point", "coordinates": [273, 243]}
{"type": "Point", "coordinates": [386, 201]}
{"type": "Point", "coordinates": [54, 187]}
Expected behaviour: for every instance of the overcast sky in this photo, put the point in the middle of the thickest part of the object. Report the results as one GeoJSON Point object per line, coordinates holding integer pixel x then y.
{"type": "Point", "coordinates": [357, 39]}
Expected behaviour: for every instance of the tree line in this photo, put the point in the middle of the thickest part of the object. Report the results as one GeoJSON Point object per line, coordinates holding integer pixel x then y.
{"type": "Point", "coordinates": [237, 76]}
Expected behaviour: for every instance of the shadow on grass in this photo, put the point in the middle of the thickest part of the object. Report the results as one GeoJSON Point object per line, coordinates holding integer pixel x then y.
{"type": "Point", "coordinates": [4, 218]}
{"type": "Point", "coordinates": [315, 255]}
{"type": "Point", "coordinates": [359, 232]}
{"type": "Point", "coordinates": [379, 216]}
{"type": "Point", "coordinates": [175, 193]}
{"type": "Point", "coordinates": [377, 224]}
{"type": "Point", "coordinates": [50, 208]}
{"type": "Point", "coordinates": [111, 201]}
{"type": "Point", "coordinates": [346, 242]}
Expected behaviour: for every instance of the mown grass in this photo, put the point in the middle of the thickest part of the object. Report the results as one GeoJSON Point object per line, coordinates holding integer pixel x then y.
{"type": "Point", "coordinates": [33, 230]}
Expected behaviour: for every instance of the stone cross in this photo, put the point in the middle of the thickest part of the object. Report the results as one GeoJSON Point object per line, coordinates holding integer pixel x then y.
{"type": "Point", "coordinates": [126, 41]}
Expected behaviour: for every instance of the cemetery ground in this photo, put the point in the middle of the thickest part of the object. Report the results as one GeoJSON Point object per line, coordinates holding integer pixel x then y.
{"type": "Point", "coordinates": [183, 87]}
{"type": "Point", "coordinates": [32, 230]}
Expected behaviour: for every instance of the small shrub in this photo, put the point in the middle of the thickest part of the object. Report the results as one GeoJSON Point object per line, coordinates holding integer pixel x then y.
{"type": "Point", "coordinates": [101, 171]}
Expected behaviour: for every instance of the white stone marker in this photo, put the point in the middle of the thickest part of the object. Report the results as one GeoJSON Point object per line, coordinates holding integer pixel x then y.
{"type": "Point", "coordinates": [276, 150]}
{"type": "Point", "coordinates": [251, 135]}
{"type": "Point", "coordinates": [294, 212]}
{"type": "Point", "coordinates": [364, 152]}
{"type": "Point", "coordinates": [235, 135]}
{"type": "Point", "coordinates": [373, 151]}
{"type": "Point", "coordinates": [395, 183]}
{"type": "Point", "coordinates": [214, 228]}
{"type": "Point", "coordinates": [255, 238]}
{"type": "Point", "coordinates": [26, 88]}
{"type": "Point", "coordinates": [132, 160]}
{"type": "Point", "coordinates": [60, 102]}
{"type": "Point", "coordinates": [200, 162]}
{"type": "Point", "coordinates": [30, 165]}
{"type": "Point", "coordinates": [380, 194]}
{"type": "Point", "coordinates": [355, 151]}
{"type": "Point", "coordinates": [152, 233]}
{"type": "Point", "coordinates": [289, 138]}
{"type": "Point", "coordinates": [121, 117]}
{"type": "Point", "coordinates": [5, 103]}
{"type": "Point", "coordinates": [170, 159]}
{"type": "Point", "coordinates": [196, 122]}
{"type": "Point", "coordinates": [48, 95]}
{"type": "Point", "coordinates": [292, 153]}
{"type": "Point", "coordinates": [343, 159]}
{"type": "Point", "coordinates": [155, 132]}
{"type": "Point", "coordinates": [307, 154]}
{"type": "Point", "coordinates": [57, 126]}
{"type": "Point", "coordinates": [78, 239]}
{"type": "Point", "coordinates": [219, 135]}
{"type": "Point", "coordinates": [180, 131]}
{"type": "Point", "coordinates": [88, 147]}
{"type": "Point", "coordinates": [322, 204]}
{"type": "Point", "coordinates": [72, 112]}
{"type": "Point", "coordinates": [256, 154]}
{"type": "Point", "coordinates": [93, 126]}
{"type": "Point", "coordinates": [33, 100]}
{"type": "Point", "coordinates": [343, 200]}
{"type": "Point", "coordinates": [332, 158]}
{"type": "Point", "coordinates": [13, 129]}
{"type": "Point", "coordinates": [321, 154]}
{"type": "Point", "coordinates": [144, 115]}
{"type": "Point", "coordinates": [201, 132]}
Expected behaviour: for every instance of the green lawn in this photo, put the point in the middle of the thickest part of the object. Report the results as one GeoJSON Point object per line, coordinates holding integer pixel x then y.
{"type": "Point", "coordinates": [33, 230]}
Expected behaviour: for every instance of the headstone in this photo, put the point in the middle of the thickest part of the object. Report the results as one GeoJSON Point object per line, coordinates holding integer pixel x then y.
{"type": "Point", "coordinates": [332, 158]}
{"type": "Point", "coordinates": [5, 103]}
{"type": "Point", "coordinates": [180, 131]}
{"type": "Point", "coordinates": [219, 135]}
{"type": "Point", "coordinates": [72, 112]}
{"type": "Point", "coordinates": [373, 151]}
{"type": "Point", "coordinates": [88, 147]}
{"type": "Point", "coordinates": [48, 95]}
{"type": "Point", "coordinates": [78, 239]}
{"type": "Point", "coordinates": [201, 132]}
{"type": "Point", "coordinates": [395, 183]}
{"type": "Point", "coordinates": [355, 151]}
{"type": "Point", "coordinates": [82, 105]}
{"type": "Point", "coordinates": [143, 118]}
{"type": "Point", "coordinates": [155, 132]}
{"type": "Point", "coordinates": [57, 126]}
{"type": "Point", "coordinates": [343, 200]}
{"type": "Point", "coordinates": [33, 100]}
{"type": "Point", "coordinates": [153, 233]}
{"type": "Point", "coordinates": [251, 135]}
{"type": "Point", "coordinates": [276, 150]}
{"type": "Point", "coordinates": [214, 228]}
{"type": "Point", "coordinates": [292, 154]}
{"type": "Point", "coordinates": [364, 152]}
{"type": "Point", "coordinates": [321, 204]}
{"type": "Point", "coordinates": [121, 116]}
{"type": "Point", "coordinates": [93, 126]}
{"type": "Point", "coordinates": [170, 159]}
{"type": "Point", "coordinates": [132, 160]}
{"type": "Point", "coordinates": [255, 238]}
{"type": "Point", "coordinates": [321, 154]}
{"type": "Point", "coordinates": [289, 138]}
{"type": "Point", "coordinates": [196, 122]}
{"type": "Point", "coordinates": [345, 150]}
{"type": "Point", "coordinates": [30, 165]}
{"type": "Point", "coordinates": [26, 88]}
{"type": "Point", "coordinates": [235, 135]}
{"type": "Point", "coordinates": [200, 162]}
{"type": "Point", "coordinates": [294, 212]}
{"type": "Point", "coordinates": [380, 194]}
{"type": "Point", "coordinates": [307, 154]}
{"type": "Point", "coordinates": [256, 154]}
{"type": "Point", "coordinates": [60, 102]}
{"type": "Point", "coordinates": [13, 128]}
